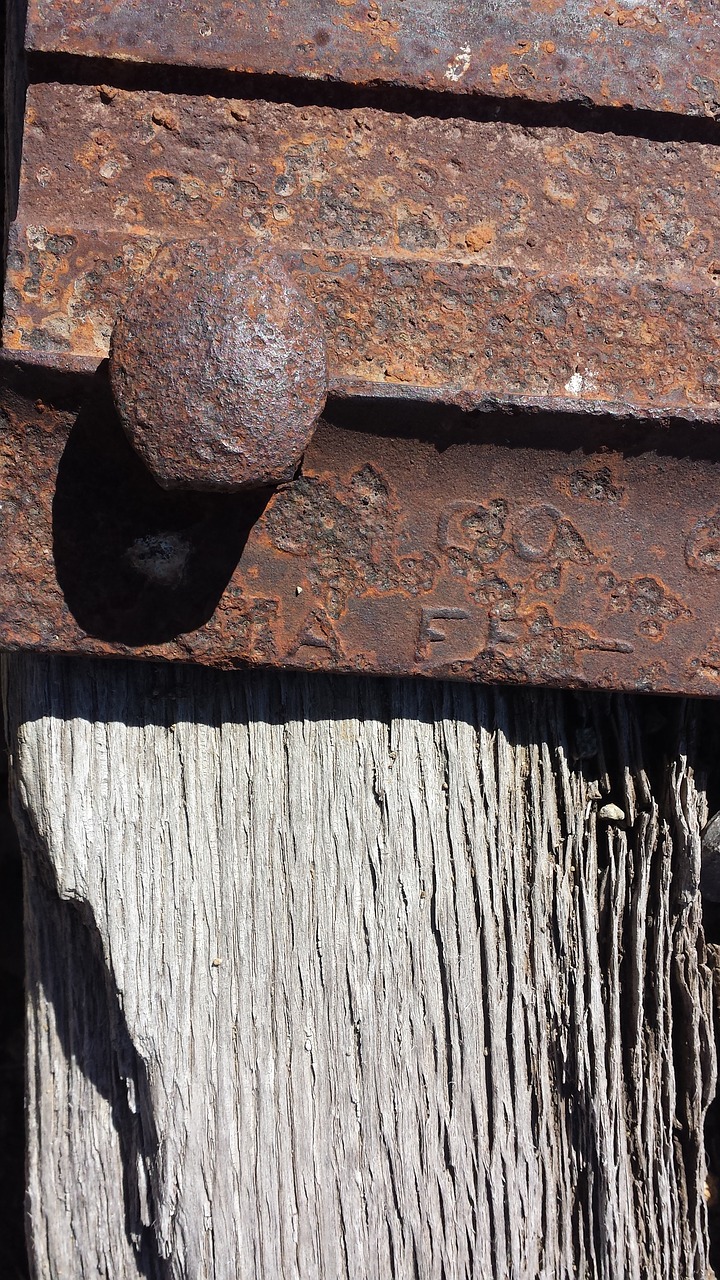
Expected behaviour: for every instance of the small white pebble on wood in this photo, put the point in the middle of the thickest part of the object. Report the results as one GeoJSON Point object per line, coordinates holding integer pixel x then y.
{"type": "Point", "coordinates": [611, 813]}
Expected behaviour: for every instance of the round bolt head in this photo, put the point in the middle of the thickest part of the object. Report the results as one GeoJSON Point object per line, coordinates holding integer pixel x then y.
{"type": "Point", "coordinates": [218, 368]}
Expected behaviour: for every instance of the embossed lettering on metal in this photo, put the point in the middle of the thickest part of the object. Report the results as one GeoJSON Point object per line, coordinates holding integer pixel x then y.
{"type": "Point", "coordinates": [482, 550]}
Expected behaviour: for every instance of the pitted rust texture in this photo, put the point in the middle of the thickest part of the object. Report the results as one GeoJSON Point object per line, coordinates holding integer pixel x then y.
{"type": "Point", "coordinates": [218, 368]}
{"type": "Point", "coordinates": [662, 55]}
{"type": "Point", "coordinates": [456, 333]}
{"type": "Point", "coordinates": [564, 269]}
{"type": "Point", "coordinates": [546, 201]}
{"type": "Point", "coordinates": [480, 551]}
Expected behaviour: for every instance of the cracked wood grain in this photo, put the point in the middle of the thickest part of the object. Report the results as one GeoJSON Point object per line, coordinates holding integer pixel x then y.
{"type": "Point", "coordinates": [342, 978]}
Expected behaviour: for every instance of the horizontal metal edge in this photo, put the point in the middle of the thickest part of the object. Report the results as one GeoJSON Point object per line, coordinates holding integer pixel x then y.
{"type": "Point", "coordinates": [73, 373]}
{"type": "Point", "coordinates": [42, 363]}
{"type": "Point", "coordinates": [476, 401]}
{"type": "Point", "coordinates": [662, 57]}
{"type": "Point", "coordinates": [453, 332]}
{"type": "Point", "coordinates": [567, 269]}
{"type": "Point", "coordinates": [39, 362]}
{"type": "Point", "coordinates": [412, 550]}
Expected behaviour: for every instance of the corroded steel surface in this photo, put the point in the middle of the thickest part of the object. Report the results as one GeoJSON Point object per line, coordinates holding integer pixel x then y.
{"type": "Point", "coordinates": [657, 54]}
{"type": "Point", "coordinates": [475, 550]}
{"type": "Point", "coordinates": [469, 262]}
{"type": "Point", "coordinates": [474, 263]}
{"type": "Point", "coordinates": [218, 368]}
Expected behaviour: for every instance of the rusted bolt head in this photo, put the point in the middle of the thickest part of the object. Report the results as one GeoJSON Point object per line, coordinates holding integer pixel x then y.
{"type": "Point", "coordinates": [218, 368]}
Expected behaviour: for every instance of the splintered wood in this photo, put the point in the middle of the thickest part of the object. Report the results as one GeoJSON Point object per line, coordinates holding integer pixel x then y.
{"type": "Point", "coordinates": [351, 979]}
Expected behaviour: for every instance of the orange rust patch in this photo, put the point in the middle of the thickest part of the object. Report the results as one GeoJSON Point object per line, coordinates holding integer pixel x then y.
{"type": "Point", "coordinates": [479, 237]}
{"type": "Point", "coordinates": [375, 27]}
{"type": "Point", "coordinates": [548, 6]}
{"type": "Point", "coordinates": [500, 74]}
{"type": "Point", "coordinates": [167, 119]}
{"type": "Point", "coordinates": [642, 17]}
{"type": "Point", "coordinates": [559, 194]}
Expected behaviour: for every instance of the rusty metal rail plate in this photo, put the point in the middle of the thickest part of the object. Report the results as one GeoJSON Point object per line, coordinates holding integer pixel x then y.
{"type": "Point", "coordinates": [567, 276]}
{"type": "Point", "coordinates": [658, 54]}
{"type": "Point", "coordinates": [474, 550]}
{"type": "Point", "coordinates": [564, 270]}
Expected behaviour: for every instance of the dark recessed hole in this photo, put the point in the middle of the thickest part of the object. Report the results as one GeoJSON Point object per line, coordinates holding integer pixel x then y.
{"type": "Point", "coordinates": [138, 565]}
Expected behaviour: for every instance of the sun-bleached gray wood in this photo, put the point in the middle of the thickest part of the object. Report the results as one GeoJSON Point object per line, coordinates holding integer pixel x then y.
{"type": "Point", "coordinates": [343, 978]}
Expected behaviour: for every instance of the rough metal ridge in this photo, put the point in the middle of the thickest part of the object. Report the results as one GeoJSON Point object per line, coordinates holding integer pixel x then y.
{"type": "Point", "coordinates": [467, 262]}
{"type": "Point", "coordinates": [656, 54]}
